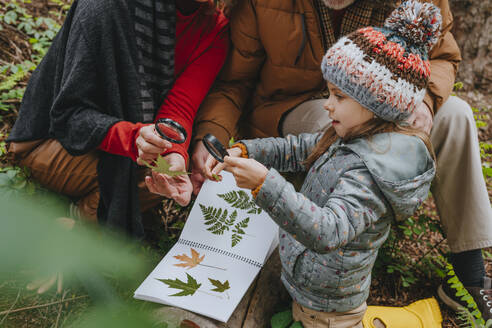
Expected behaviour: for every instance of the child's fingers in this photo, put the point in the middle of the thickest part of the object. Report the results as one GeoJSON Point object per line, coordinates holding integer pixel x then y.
{"type": "Point", "coordinates": [217, 169]}
{"type": "Point", "coordinates": [211, 168]}
{"type": "Point", "coordinates": [232, 161]}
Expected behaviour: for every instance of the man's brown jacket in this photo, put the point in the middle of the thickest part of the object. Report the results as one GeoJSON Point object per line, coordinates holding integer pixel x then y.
{"type": "Point", "coordinates": [274, 64]}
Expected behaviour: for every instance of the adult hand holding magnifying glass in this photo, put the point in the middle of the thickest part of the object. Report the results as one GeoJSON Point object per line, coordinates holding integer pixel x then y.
{"type": "Point", "coordinates": [160, 136]}
{"type": "Point", "coordinates": [156, 138]}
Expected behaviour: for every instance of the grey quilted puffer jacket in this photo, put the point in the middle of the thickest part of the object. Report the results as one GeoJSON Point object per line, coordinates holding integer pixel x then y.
{"type": "Point", "coordinates": [331, 230]}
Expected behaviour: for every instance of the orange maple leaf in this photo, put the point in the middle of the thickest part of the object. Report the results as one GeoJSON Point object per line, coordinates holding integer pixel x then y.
{"type": "Point", "coordinates": [189, 262]}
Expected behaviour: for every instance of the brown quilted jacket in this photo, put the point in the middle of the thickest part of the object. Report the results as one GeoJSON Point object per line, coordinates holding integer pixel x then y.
{"type": "Point", "coordinates": [274, 64]}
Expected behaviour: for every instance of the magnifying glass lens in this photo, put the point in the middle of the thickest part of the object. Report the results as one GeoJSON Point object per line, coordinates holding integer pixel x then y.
{"type": "Point", "coordinates": [171, 130]}
{"type": "Point", "coordinates": [214, 147]}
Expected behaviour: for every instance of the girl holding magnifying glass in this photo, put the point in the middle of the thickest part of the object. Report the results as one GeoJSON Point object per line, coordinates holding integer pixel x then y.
{"type": "Point", "coordinates": [116, 66]}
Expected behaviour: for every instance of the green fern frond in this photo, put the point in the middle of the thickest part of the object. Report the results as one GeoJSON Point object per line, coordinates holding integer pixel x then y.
{"type": "Point", "coordinates": [471, 315]}
{"type": "Point", "coordinates": [243, 223]}
{"type": "Point", "coordinates": [216, 219]}
{"type": "Point", "coordinates": [241, 200]}
{"type": "Point", "coordinates": [12, 80]}
{"type": "Point", "coordinates": [236, 239]}
{"type": "Point", "coordinates": [232, 219]}
{"type": "Point", "coordinates": [218, 228]}
{"type": "Point", "coordinates": [223, 217]}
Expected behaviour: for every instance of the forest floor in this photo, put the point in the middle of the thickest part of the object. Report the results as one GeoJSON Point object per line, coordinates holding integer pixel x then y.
{"type": "Point", "coordinates": [167, 220]}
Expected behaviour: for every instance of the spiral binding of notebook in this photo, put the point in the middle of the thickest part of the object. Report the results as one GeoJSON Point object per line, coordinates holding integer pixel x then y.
{"type": "Point", "coordinates": [219, 251]}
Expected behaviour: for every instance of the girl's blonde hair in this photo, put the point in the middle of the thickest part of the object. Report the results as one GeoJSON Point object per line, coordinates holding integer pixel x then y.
{"type": "Point", "coordinates": [372, 127]}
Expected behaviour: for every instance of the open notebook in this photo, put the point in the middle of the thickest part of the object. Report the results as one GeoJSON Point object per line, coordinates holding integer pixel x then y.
{"type": "Point", "coordinates": [223, 245]}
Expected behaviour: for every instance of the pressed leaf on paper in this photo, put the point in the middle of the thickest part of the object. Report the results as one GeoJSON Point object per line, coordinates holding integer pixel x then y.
{"type": "Point", "coordinates": [187, 288]}
{"type": "Point", "coordinates": [193, 261]}
{"type": "Point", "coordinates": [189, 262]}
{"type": "Point", "coordinates": [219, 287]}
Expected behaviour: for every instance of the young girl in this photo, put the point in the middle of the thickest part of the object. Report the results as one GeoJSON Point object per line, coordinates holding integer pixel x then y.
{"type": "Point", "coordinates": [364, 172]}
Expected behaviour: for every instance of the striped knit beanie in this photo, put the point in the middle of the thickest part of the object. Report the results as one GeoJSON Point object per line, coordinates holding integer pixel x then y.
{"type": "Point", "coordinates": [387, 69]}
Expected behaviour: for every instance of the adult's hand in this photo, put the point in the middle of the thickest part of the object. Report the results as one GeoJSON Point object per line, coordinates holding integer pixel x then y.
{"type": "Point", "coordinates": [421, 118]}
{"type": "Point", "coordinates": [150, 144]}
{"type": "Point", "coordinates": [178, 188]}
{"type": "Point", "coordinates": [198, 159]}
{"type": "Point", "coordinates": [248, 172]}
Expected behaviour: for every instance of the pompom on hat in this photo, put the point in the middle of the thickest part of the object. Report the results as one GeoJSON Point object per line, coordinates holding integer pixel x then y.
{"type": "Point", "coordinates": [387, 69]}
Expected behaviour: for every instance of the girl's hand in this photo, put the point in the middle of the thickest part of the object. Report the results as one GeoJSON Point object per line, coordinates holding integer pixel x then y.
{"type": "Point", "coordinates": [212, 167]}
{"type": "Point", "coordinates": [150, 144]}
{"type": "Point", "coordinates": [247, 172]}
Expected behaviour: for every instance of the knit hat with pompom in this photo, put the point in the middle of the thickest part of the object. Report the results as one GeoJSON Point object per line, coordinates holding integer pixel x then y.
{"type": "Point", "coordinates": [387, 69]}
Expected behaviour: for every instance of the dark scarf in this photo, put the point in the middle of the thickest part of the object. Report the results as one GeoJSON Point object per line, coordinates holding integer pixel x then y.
{"type": "Point", "coordinates": [155, 22]}
{"type": "Point", "coordinates": [95, 74]}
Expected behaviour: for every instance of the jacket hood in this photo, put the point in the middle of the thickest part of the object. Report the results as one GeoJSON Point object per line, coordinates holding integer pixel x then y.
{"type": "Point", "coordinates": [401, 166]}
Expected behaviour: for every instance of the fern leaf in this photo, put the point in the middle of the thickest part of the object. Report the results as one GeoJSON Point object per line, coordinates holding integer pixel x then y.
{"type": "Point", "coordinates": [255, 209]}
{"type": "Point", "coordinates": [216, 229]}
{"type": "Point", "coordinates": [232, 219]}
{"type": "Point", "coordinates": [243, 223]}
{"type": "Point", "coordinates": [12, 80]}
{"type": "Point", "coordinates": [241, 200]}
{"type": "Point", "coordinates": [236, 239]}
{"type": "Point", "coordinates": [222, 218]}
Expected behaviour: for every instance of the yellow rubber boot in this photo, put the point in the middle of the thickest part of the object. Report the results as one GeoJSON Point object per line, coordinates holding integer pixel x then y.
{"type": "Point", "coordinates": [421, 314]}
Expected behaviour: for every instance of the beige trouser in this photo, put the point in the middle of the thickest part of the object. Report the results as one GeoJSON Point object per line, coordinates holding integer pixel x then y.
{"type": "Point", "coordinates": [459, 189]}
{"type": "Point", "coordinates": [75, 176]}
{"type": "Point", "coordinates": [314, 319]}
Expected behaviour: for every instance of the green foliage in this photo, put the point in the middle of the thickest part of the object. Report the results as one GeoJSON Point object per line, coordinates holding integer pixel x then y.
{"type": "Point", "coordinates": [187, 288]}
{"type": "Point", "coordinates": [238, 231]}
{"type": "Point", "coordinates": [12, 80]}
{"type": "Point", "coordinates": [62, 4]}
{"type": "Point", "coordinates": [16, 181]}
{"type": "Point", "coordinates": [219, 286]}
{"type": "Point", "coordinates": [40, 30]}
{"type": "Point", "coordinates": [241, 200]}
{"type": "Point", "coordinates": [218, 222]}
{"type": "Point", "coordinates": [217, 219]}
{"type": "Point", "coordinates": [13, 74]}
{"type": "Point", "coordinates": [398, 263]}
{"type": "Point", "coordinates": [471, 315]}
{"type": "Point", "coordinates": [284, 320]}
{"type": "Point", "coordinates": [102, 262]}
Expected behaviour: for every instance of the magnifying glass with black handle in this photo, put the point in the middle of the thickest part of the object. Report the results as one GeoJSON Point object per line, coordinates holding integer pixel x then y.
{"type": "Point", "coordinates": [174, 132]}
{"type": "Point", "coordinates": [171, 130]}
{"type": "Point", "coordinates": [215, 147]}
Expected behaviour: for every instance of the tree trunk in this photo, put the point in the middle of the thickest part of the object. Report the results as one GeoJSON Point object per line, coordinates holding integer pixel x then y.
{"type": "Point", "coordinates": [473, 32]}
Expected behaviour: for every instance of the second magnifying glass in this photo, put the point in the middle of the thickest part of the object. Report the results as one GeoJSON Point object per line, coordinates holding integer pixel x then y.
{"type": "Point", "coordinates": [215, 147]}
{"type": "Point", "coordinates": [171, 130]}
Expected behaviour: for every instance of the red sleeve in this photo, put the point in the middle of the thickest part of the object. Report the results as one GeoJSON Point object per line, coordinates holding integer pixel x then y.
{"type": "Point", "coordinates": [120, 139]}
{"type": "Point", "coordinates": [181, 103]}
{"type": "Point", "coordinates": [191, 87]}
